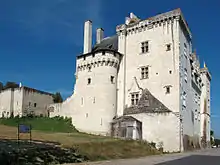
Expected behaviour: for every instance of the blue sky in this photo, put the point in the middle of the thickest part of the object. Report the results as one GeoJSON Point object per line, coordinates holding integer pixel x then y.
{"type": "Point", "coordinates": [39, 39]}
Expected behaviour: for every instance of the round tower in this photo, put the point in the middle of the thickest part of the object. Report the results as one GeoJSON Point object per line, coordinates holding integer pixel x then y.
{"type": "Point", "coordinates": [95, 93]}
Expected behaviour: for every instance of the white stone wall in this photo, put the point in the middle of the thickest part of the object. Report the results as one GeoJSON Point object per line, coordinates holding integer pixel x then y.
{"type": "Point", "coordinates": [6, 106]}
{"type": "Point", "coordinates": [18, 101]}
{"type": "Point", "coordinates": [95, 103]}
{"type": "Point", "coordinates": [30, 98]}
{"type": "Point", "coordinates": [159, 128]}
{"type": "Point", "coordinates": [205, 96]}
{"type": "Point", "coordinates": [163, 65]}
{"type": "Point", "coordinates": [64, 109]}
{"type": "Point", "coordinates": [187, 99]}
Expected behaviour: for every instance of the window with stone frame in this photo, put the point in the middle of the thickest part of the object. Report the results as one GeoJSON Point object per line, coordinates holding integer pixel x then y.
{"type": "Point", "coordinates": [168, 47]}
{"type": "Point", "coordinates": [145, 47]}
{"type": "Point", "coordinates": [167, 89]}
{"type": "Point", "coordinates": [184, 99]}
{"type": "Point", "coordinates": [89, 81]}
{"type": "Point", "coordinates": [134, 98]}
{"type": "Point", "coordinates": [145, 72]}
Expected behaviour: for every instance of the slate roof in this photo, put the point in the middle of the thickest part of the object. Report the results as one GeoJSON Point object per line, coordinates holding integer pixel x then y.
{"type": "Point", "coordinates": [147, 104]}
{"type": "Point", "coordinates": [124, 118]}
{"type": "Point", "coordinates": [109, 43]}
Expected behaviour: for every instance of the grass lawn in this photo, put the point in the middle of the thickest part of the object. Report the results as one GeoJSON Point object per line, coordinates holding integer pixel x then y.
{"type": "Point", "coordinates": [91, 146]}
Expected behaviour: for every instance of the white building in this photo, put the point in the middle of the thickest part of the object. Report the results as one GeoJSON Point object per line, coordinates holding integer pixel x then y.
{"type": "Point", "coordinates": [143, 83]}
{"type": "Point", "coordinates": [23, 100]}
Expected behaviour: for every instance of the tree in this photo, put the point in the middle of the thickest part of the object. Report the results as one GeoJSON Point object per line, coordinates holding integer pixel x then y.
{"type": "Point", "coordinates": [57, 98]}
{"type": "Point", "coordinates": [1, 86]}
{"type": "Point", "coordinates": [10, 84]}
{"type": "Point", "coordinates": [212, 140]}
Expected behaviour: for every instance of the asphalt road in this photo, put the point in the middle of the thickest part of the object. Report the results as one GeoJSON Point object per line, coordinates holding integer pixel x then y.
{"type": "Point", "coordinates": [202, 157]}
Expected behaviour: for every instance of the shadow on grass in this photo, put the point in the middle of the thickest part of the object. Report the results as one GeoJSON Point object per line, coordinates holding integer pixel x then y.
{"type": "Point", "coordinates": [36, 152]}
{"type": "Point", "coordinates": [194, 160]}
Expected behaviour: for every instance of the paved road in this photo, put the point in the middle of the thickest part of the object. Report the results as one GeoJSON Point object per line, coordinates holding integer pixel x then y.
{"type": "Point", "coordinates": [202, 157]}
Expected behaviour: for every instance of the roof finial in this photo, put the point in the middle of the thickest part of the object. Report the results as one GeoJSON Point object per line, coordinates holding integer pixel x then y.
{"type": "Point", "coordinates": [20, 85]}
{"type": "Point", "coordinates": [205, 65]}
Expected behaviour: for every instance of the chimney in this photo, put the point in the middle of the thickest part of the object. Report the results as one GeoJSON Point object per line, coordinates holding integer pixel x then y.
{"type": "Point", "coordinates": [99, 35]}
{"type": "Point", "coordinates": [87, 37]}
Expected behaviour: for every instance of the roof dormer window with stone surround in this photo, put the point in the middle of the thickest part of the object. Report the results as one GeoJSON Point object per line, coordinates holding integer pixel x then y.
{"type": "Point", "coordinates": [134, 98]}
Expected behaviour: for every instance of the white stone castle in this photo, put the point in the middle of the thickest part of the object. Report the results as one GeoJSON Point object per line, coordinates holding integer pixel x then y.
{"type": "Point", "coordinates": [143, 83]}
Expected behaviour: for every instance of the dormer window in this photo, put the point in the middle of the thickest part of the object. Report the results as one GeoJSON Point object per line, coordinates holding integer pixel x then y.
{"type": "Point", "coordinates": [134, 98]}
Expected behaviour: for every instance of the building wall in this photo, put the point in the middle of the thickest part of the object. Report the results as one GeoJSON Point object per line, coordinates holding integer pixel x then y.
{"type": "Point", "coordinates": [159, 128]}
{"type": "Point", "coordinates": [35, 102]}
{"type": "Point", "coordinates": [187, 97]}
{"type": "Point", "coordinates": [163, 65]}
{"type": "Point", "coordinates": [205, 104]}
{"type": "Point", "coordinates": [64, 109]}
{"type": "Point", "coordinates": [18, 101]}
{"type": "Point", "coordinates": [6, 107]}
{"type": "Point", "coordinates": [95, 102]}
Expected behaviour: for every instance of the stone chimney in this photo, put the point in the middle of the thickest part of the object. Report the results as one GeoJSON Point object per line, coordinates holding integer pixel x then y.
{"type": "Point", "coordinates": [87, 37]}
{"type": "Point", "coordinates": [99, 35]}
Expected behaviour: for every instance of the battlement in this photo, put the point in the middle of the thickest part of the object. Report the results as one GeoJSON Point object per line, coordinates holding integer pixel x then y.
{"type": "Point", "coordinates": [137, 25]}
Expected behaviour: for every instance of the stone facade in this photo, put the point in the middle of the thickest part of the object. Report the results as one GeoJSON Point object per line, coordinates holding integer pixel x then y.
{"type": "Point", "coordinates": [23, 101]}
{"type": "Point", "coordinates": [146, 74]}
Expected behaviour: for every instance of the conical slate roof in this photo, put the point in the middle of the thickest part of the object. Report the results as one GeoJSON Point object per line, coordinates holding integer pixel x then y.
{"type": "Point", "coordinates": [109, 43]}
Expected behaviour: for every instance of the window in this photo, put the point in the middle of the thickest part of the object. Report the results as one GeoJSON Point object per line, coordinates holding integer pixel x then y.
{"type": "Point", "coordinates": [84, 57]}
{"type": "Point", "coordinates": [168, 47]}
{"type": "Point", "coordinates": [184, 99]}
{"type": "Point", "coordinates": [35, 104]}
{"type": "Point", "coordinates": [94, 100]}
{"type": "Point", "coordinates": [185, 74]}
{"type": "Point", "coordinates": [103, 53]}
{"type": "Point", "coordinates": [170, 71]}
{"type": "Point", "coordinates": [145, 47]}
{"type": "Point", "coordinates": [112, 79]}
{"type": "Point", "coordinates": [82, 101]}
{"type": "Point", "coordinates": [134, 98]}
{"type": "Point", "coordinates": [89, 81]}
{"type": "Point", "coordinates": [193, 116]}
{"type": "Point", "coordinates": [89, 68]}
{"type": "Point", "coordinates": [144, 72]}
{"type": "Point", "coordinates": [167, 90]}
{"type": "Point", "coordinates": [29, 104]}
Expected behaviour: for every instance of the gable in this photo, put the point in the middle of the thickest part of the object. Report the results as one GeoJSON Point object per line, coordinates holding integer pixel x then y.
{"type": "Point", "coordinates": [147, 104]}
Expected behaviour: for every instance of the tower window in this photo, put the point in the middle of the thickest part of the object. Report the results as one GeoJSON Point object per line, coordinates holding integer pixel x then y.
{"type": "Point", "coordinates": [134, 98]}
{"type": "Point", "coordinates": [145, 72]}
{"type": "Point", "coordinates": [145, 47]}
{"type": "Point", "coordinates": [112, 79]}
{"type": "Point", "coordinates": [35, 104]}
{"type": "Point", "coordinates": [170, 71]}
{"type": "Point", "coordinates": [167, 89]}
{"type": "Point", "coordinates": [168, 47]}
{"type": "Point", "coordinates": [89, 81]}
{"type": "Point", "coordinates": [82, 101]}
{"type": "Point", "coordinates": [89, 68]}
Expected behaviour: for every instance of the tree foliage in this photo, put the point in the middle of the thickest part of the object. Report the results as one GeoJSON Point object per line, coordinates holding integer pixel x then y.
{"type": "Point", "coordinates": [57, 98]}
{"type": "Point", "coordinates": [10, 84]}
{"type": "Point", "coordinates": [1, 86]}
